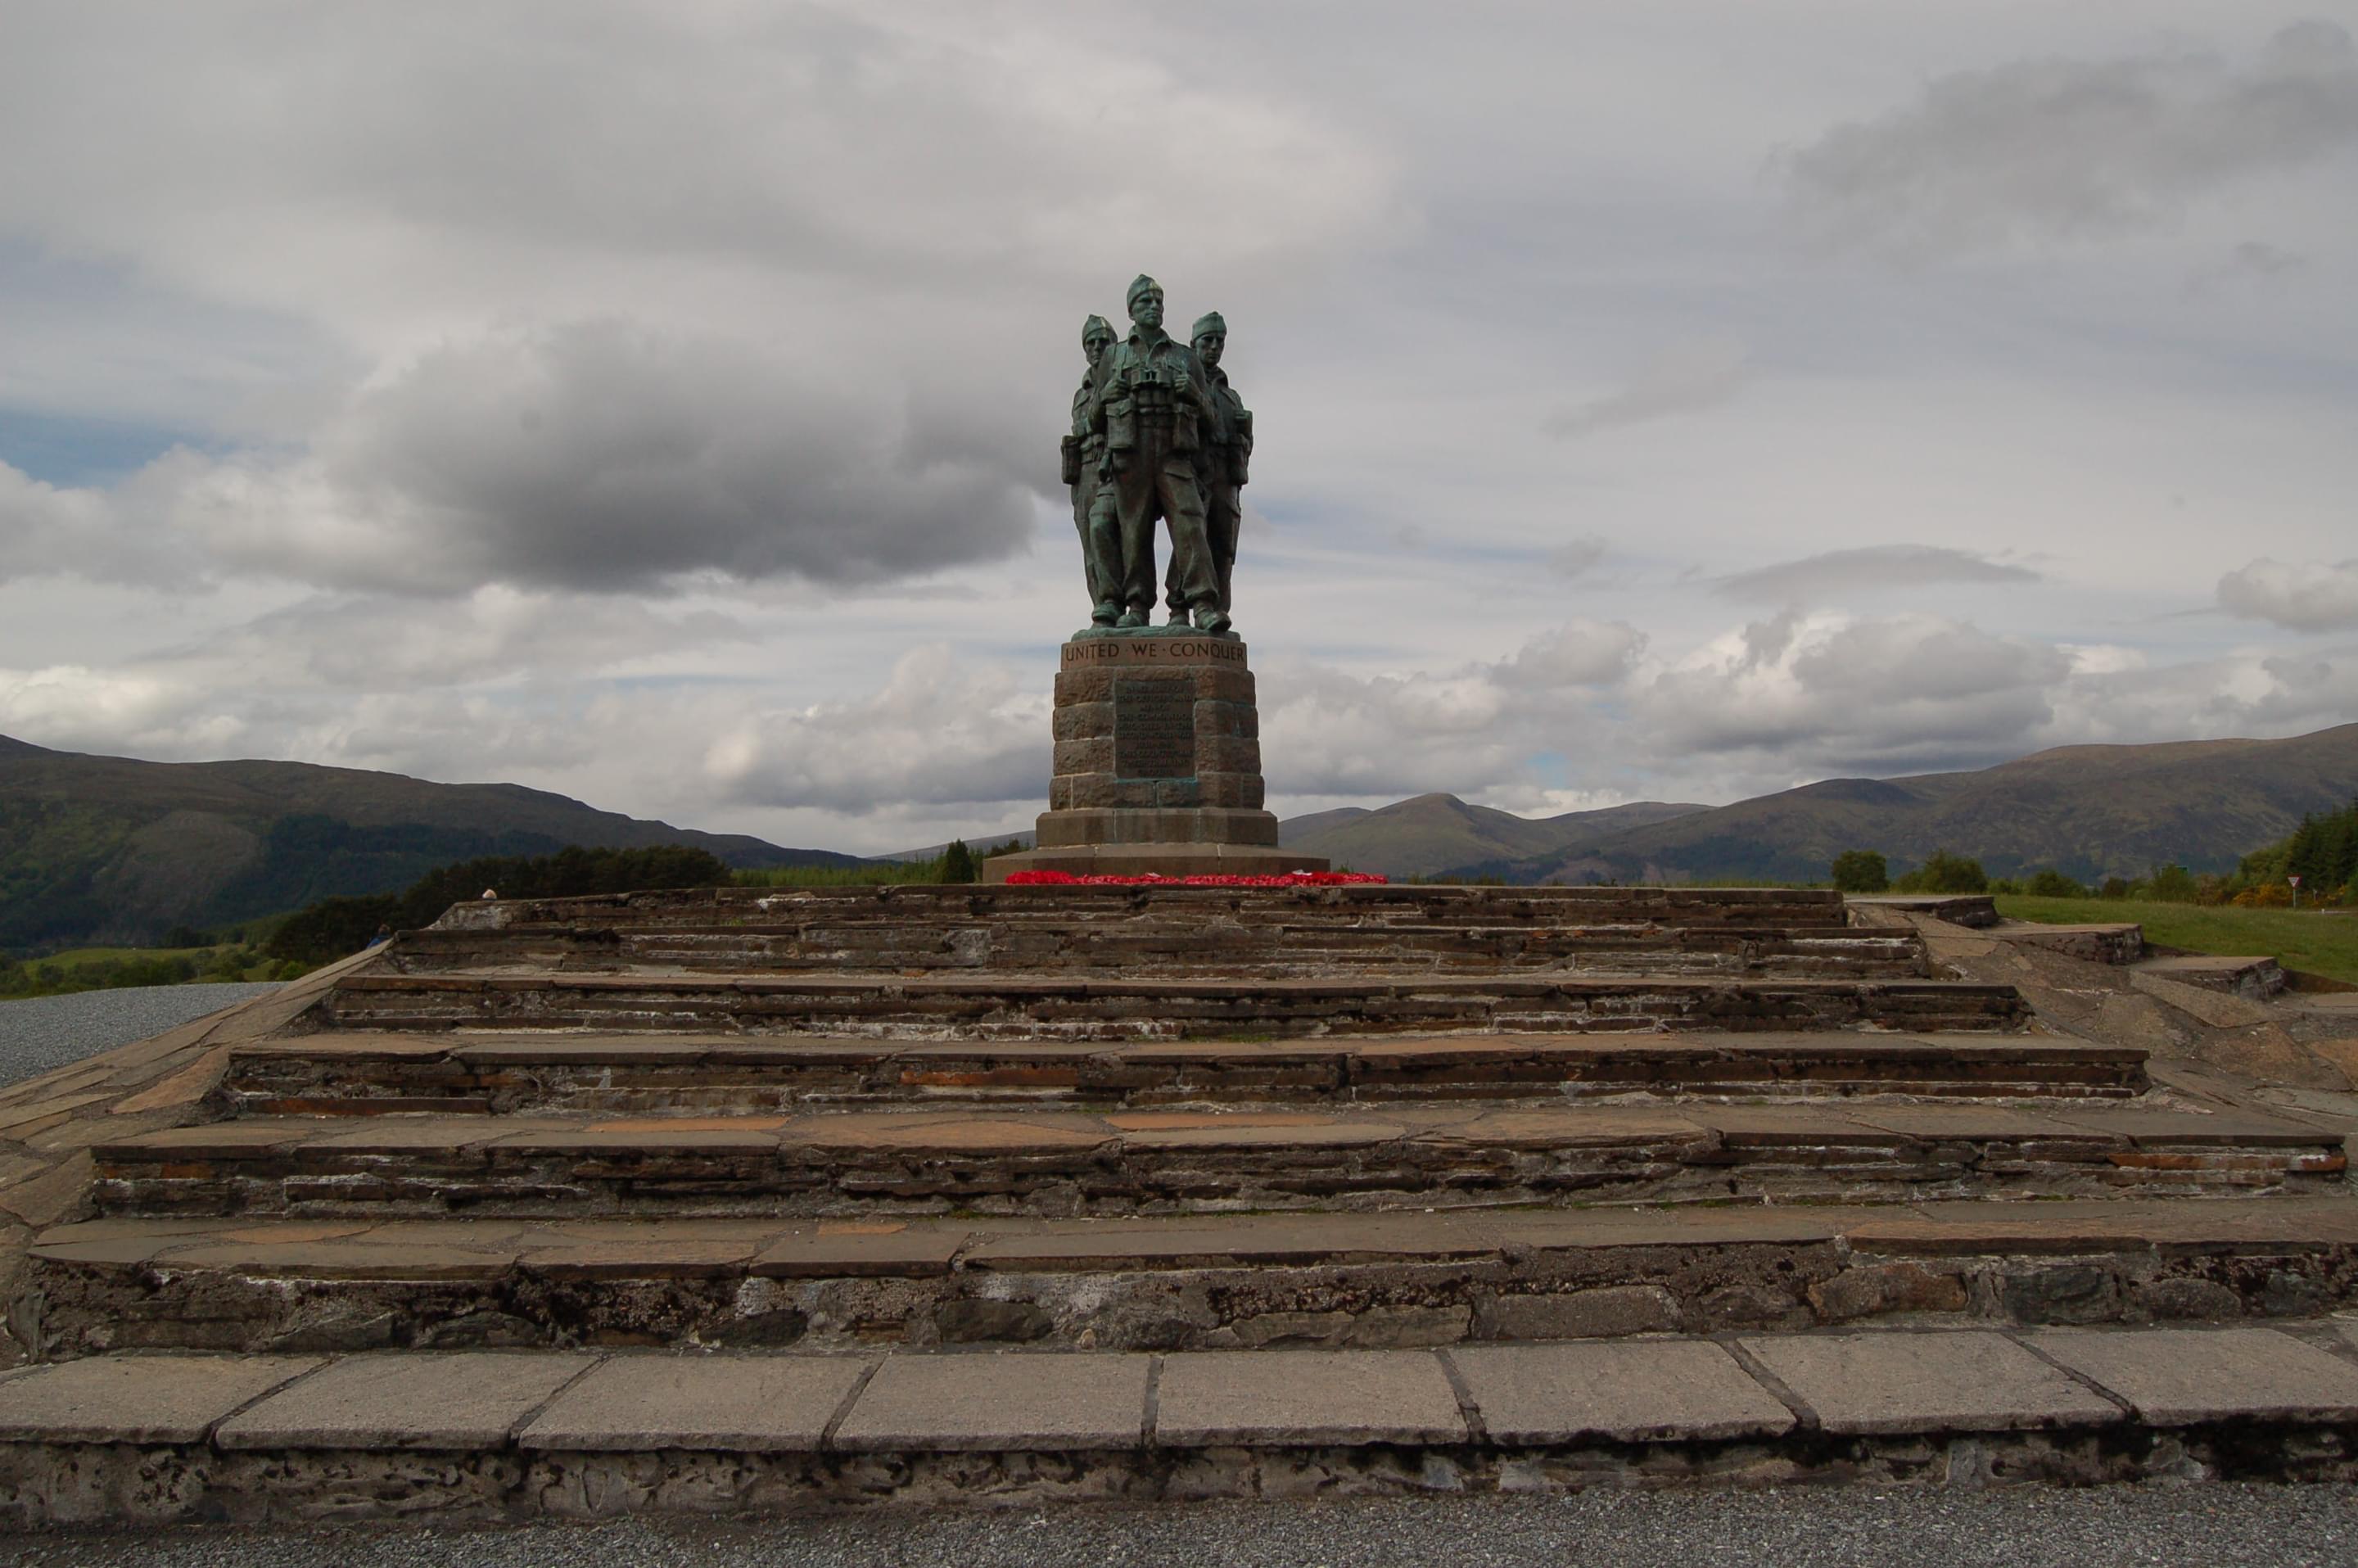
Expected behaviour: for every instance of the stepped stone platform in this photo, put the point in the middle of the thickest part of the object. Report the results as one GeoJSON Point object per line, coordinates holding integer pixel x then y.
{"type": "Point", "coordinates": [478, 1435]}
{"type": "Point", "coordinates": [363, 1072]}
{"type": "Point", "coordinates": [1365, 1280]}
{"type": "Point", "coordinates": [754, 1199]}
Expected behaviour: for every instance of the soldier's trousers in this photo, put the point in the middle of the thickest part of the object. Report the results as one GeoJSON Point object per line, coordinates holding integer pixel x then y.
{"type": "Point", "coordinates": [1121, 528]}
{"type": "Point", "coordinates": [1223, 509]}
{"type": "Point", "coordinates": [1083, 495]}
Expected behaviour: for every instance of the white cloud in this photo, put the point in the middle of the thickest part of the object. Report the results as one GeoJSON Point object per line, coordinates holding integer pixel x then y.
{"type": "Point", "coordinates": [936, 734]}
{"type": "Point", "coordinates": [2315, 597]}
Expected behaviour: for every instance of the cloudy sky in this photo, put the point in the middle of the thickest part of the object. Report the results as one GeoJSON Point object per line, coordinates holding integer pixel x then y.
{"type": "Point", "coordinates": [658, 402]}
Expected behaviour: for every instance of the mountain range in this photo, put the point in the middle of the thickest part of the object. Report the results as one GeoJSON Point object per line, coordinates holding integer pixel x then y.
{"type": "Point", "coordinates": [117, 851]}
{"type": "Point", "coordinates": [111, 849]}
{"type": "Point", "coordinates": [2088, 811]}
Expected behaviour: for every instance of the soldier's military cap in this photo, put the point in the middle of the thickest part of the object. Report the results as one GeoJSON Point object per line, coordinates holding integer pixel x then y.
{"type": "Point", "coordinates": [1209, 321]}
{"type": "Point", "coordinates": [1139, 286]}
{"type": "Point", "coordinates": [1098, 324]}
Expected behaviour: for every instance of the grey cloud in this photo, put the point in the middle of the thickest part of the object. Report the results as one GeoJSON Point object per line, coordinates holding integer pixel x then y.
{"type": "Point", "coordinates": [1685, 378]}
{"type": "Point", "coordinates": [353, 642]}
{"type": "Point", "coordinates": [596, 456]}
{"type": "Point", "coordinates": [603, 456]}
{"type": "Point", "coordinates": [2307, 598]}
{"type": "Point", "coordinates": [2049, 149]}
{"type": "Point", "coordinates": [1827, 695]}
{"type": "Point", "coordinates": [1575, 556]}
{"type": "Point", "coordinates": [1872, 569]}
{"type": "Point", "coordinates": [2250, 260]}
{"type": "Point", "coordinates": [938, 733]}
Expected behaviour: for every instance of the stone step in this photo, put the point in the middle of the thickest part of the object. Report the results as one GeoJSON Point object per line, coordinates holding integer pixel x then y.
{"type": "Point", "coordinates": [1170, 943]}
{"type": "Point", "coordinates": [1182, 1282]}
{"type": "Point", "coordinates": [1969, 909]}
{"type": "Point", "coordinates": [2098, 942]}
{"type": "Point", "coordinates": [1067, 1007]}
{"type": "Point", "coordinates": [2254, 978]}
{"type": "Point", "coordinates": [1125, 1163]}
{"type": "Point", "coordinates": [936, 906]}
{"type": "Point", "coordinates": [475, 1435]}
{"type": "Point", "coordinates": [372, 1072]}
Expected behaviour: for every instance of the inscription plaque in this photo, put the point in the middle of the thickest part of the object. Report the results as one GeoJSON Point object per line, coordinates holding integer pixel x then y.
{"type": "Point", "coordinates": [1155, 729]}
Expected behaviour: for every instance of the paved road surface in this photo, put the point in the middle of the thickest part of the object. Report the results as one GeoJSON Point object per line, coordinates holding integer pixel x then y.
{"type": "Point", "coordinates": [2179, 1526]}
{"type": "Point", "coordinates": [43, 1033]}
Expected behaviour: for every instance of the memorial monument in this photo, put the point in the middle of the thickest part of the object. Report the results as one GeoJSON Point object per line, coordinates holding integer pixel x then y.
{"type": "Point", "coordinates": [1158, 737]}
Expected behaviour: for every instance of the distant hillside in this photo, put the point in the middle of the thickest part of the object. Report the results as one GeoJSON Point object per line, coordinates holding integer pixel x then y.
{"type": "Point", "coordinates": [2091, 811]}
{"type": "Point", "coordinates": [1435, 832]}
{"type": "Point", "coordinates": [109, 849]}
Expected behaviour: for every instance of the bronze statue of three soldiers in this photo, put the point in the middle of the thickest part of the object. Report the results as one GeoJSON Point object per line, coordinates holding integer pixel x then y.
{"type": "Point", "coordinates": [1157, 434]}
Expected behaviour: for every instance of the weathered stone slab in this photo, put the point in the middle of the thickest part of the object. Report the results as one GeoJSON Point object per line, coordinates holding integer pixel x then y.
{"type": "Point", "coordinates": [1271, 1398]}
{"type": "Point", "coordinates": [711, 1258]}
{"type": "Point", "coordinates": [2175, 1377]}
{"type": "Point", "coordinates": [464, 1401]}
{"type": "Point", "coordinates": [187, 1086]}
{"type": "Point", "coordinates": [1265, 1241]}
{"type": "Point", "coordinates": [887, 1250]}
{"type": "Point", "coordinates": [1001, 1403]}
{"type": "Point", "coordinates": [137, 1399]}
{"type": "Point", "coordinates": [2151, 1128]}
{"type": "Point", "coordinates": [345, 1259]}
{"type": "Point", "coordinates": [764, 1404]}
{"type": "Point", "coordinates": [16, 1120]}
{"type": "Point", "coordinates": [1898, 1382]}
{"type": "Point", "coordinates": [1677, 1390]}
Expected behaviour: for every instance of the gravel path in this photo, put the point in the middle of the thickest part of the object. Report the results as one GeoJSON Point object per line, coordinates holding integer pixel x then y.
{"type": "Point", "coordinates": [2009, 1526]}
{"type": "Point", "coordinates": [47, 1031]}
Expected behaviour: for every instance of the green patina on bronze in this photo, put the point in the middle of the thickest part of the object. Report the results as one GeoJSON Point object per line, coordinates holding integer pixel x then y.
{"type": "Point", "coordinates": [1158, 434]}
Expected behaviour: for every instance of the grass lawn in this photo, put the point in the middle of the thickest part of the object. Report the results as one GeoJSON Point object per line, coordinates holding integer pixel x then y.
{"type": "Point", "coordinates": [121, 955]}
{"type": "Point", "coordinates": [2319, 942]}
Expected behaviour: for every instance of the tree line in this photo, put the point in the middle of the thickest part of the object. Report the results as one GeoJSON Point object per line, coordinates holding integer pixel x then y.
{"type": "Point", "coordinates": [2322, 853]}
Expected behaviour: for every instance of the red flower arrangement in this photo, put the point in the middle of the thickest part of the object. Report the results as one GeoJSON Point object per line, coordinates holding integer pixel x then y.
{"type": "Point", "coordinates": [1148, 879]}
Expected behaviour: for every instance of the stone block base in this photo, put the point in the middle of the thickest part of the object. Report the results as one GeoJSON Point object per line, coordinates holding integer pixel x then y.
{"type": "Point", "coordinates": [1157, 764]}
{"type": "Point", "coordinates": [1155, 859]}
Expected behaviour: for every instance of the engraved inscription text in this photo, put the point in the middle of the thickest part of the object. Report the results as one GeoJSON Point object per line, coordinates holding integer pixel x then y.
{"type": "Point", "coordinates": [1155, 729]}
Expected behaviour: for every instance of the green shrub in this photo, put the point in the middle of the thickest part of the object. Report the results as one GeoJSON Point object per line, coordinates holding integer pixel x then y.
{"type": "Point", "coordinates": [1945, 872]}
{"type": "Point", "coordinates": [335, 927]}
{"type": "Point", "coordinates": [2171, 884]}
{"type": "Point", "coordinates": [1861, 871]}
{"type": "Point", "coordinates": [958, 862]}
{"type": "Point", "coordinates": [2052, 884]}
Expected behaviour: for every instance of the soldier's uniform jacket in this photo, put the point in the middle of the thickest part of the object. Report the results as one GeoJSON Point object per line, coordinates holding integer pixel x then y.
{"type": "Point", "coordinates": [1135, 392]}
{"type": "Point", "coordinates": [1085, 446]}
{"type": "Point", "coordinates": [1228, 433]}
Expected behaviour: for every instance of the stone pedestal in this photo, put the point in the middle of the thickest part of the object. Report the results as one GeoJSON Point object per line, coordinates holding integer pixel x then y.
{"type": "Point", "coordinates": [1158, 764]}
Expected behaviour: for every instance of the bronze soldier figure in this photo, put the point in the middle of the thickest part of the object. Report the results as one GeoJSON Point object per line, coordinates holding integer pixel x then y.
{"type": "Point", "coordinates": [1083, 448]}
{"type": "Point", "coordinates": [1221, 463]}
{"type": "Point", "coordinates": [1147, 402]}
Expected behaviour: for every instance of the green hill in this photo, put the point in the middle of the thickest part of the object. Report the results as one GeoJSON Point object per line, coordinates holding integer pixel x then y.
{"type": "Point", "coordinates": [111, 849]}
{"type": "Point", "coordinates": [1435, 832]}
{"type": "Point", "coordinates": [2090, 811]}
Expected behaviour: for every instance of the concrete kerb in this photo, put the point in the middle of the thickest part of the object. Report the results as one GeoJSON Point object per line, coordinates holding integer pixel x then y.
{"type": "Point", "coordinates": [532, 1434]}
